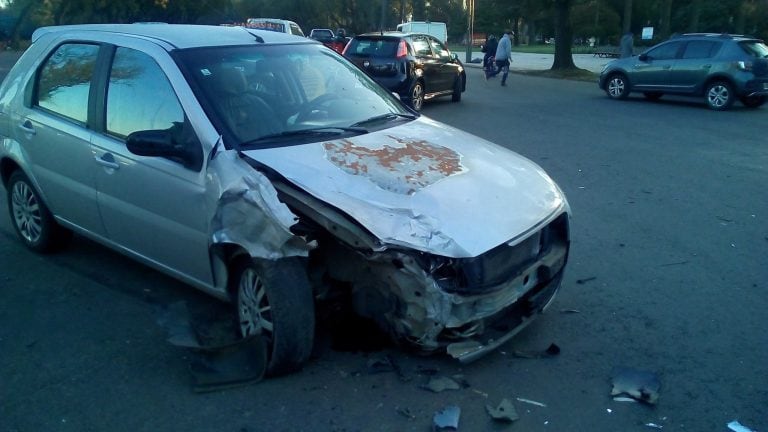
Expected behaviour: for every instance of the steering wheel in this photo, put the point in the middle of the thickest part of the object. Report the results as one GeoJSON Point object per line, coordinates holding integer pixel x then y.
{"type": "Point", "coordinates": [314, 109]}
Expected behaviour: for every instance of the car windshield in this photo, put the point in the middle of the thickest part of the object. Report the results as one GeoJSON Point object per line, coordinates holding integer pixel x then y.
{"type": "Point", "coordinates": [755, 49]}
{"type": "Point", "coordinates": [276, 95]}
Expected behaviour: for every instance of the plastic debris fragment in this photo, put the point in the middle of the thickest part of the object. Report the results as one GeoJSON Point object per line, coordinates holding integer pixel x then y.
{"type": "Point", "coordinates": [442, 383]}
{"type": "Point", "coordinates": [639, 384]}
{"type": "Point", "coordinates": [504, 412]}
{"type": "Point", "coordinates": [447, 419]}
{"type": "Point", "coordinates": [532, 402]}
{"type": "Point", "coordinates": [735, 426]}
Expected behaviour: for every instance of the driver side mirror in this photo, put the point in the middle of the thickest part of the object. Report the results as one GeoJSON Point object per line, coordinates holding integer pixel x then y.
{"type": "Point", "coordinates": [454, 56]}
{"type": "Point", "coordinates": [644, 58]}
{"type": "Point", "coordinates": [161, 143]}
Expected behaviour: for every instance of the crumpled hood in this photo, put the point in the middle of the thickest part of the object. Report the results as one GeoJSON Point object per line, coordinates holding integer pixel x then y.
{"type": "Point", "coordinates": [424, 185]}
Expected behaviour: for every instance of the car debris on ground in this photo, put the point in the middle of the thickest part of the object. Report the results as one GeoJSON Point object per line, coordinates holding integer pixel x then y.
{"type": "Point", "coordinates": [504, 412]}
{"type": "Point", "coordinates": [447, 419]}
{"type": "Point", "coordinates": [640, 385]}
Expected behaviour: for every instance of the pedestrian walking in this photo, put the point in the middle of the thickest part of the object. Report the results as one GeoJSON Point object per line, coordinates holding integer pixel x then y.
{"type": "Point", "coordinates": [489, 48]}
{"type": "Point", "coordinates": [503, 57]}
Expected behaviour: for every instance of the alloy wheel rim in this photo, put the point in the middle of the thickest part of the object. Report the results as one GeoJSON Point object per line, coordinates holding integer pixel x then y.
{"type": "Point", "coordinates": [254, 310]}
{"type": "Point", "coordinates": [417, 97]}
{"type": "Point", "coordinates": [616, 87]}
{"type": "Point", "coordinates": [718, 95]}
{"type": "Point", "coordinates": [26, 212]}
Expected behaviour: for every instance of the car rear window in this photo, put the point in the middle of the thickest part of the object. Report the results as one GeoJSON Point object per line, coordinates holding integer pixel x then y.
{"type": "Point", "coordinates": [755, 48]}
{"type": "Point", "coordinates": [365, 47]}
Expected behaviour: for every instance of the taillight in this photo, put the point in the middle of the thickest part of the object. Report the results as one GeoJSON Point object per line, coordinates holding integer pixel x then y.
{"type": "Point", "coordinates": [402, 49]}
{"type": "Point", "coordinates": [744, 65]}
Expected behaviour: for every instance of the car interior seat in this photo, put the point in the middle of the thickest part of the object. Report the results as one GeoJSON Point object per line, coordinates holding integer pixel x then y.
{"type": "Point", "coordinates": [248, 115]}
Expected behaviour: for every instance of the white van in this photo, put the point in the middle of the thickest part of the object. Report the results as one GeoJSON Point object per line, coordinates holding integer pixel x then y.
{"type": "Point", "coordinates": [436, 29]}
{"type": "Point", "coordinates": [274, 24]}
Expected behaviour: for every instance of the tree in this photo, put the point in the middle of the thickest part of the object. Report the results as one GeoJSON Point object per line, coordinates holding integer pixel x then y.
{"type": "Point", "coordinates": [563, 36]}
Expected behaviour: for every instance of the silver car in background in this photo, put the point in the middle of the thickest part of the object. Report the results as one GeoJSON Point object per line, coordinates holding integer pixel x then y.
{"type": "Point", "coordinates": [267, 170]}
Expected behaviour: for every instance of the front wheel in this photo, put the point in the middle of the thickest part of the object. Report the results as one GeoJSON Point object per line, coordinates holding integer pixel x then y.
{"type": "Point", "coordinates": [457, 88]}
{"type": "Point", "coordinates": [753, 101]}
{"type": "Point", "coordinates": [31, 219]}
{"type": "Point", "coordinates": [274, 300]}
{"type": "Point", "coordinates": [719, 95]}
{"type": "Point", "coordinates": [617, 87]}
{"type": "Point", "coordinates": [416, 97]}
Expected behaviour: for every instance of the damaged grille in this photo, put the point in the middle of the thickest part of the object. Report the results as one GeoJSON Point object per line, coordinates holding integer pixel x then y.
{"type": "Point", "coordinates": [488, 271]}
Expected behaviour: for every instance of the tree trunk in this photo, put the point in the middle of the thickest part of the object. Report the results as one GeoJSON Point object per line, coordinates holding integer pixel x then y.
{"type": "Point", "coordinates": [741, 16]}
{"type": "Point", "coordinates": [563, 36]}
{"type": "Point", "coordinates": [693, 25]}
{"type": "Point", "coordinates": [627, 24]}
{"type": "Point", "coordinates": [666, 17]}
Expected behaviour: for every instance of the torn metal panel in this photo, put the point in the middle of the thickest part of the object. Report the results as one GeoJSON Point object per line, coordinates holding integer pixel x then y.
{"type": "Point", "coordinates": [248, 212]}
{"type": "Point", "coordinates": [424, 194]}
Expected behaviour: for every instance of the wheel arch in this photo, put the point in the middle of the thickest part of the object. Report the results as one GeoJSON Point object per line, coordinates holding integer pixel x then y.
{"type": "Point", "coordinates": [7, 167]}
{"type": "Point", "coordinates": [719, 77]}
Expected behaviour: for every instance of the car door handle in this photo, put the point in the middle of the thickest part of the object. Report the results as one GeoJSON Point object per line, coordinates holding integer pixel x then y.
{"type": "Point", "coordinates": [107, 160]}
{"type": "Point", "coordinates": [27, 127]}
{"type": "Point", "coordinates": [706, 66]}
{"type": "Point", "coordinates": [666, 67]}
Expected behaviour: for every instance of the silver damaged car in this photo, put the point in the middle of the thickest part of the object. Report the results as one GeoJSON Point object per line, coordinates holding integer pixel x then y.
{"type": "Point", "coordinates": [268, 171]}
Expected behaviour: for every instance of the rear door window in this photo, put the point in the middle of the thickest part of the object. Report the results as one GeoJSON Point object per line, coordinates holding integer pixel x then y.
{"type": "Point", "coordinates": [421, 46]}
{"type": "Point", "coordinates": [64, 81]}
{"type": "Point", "coordinates": [701, 49]}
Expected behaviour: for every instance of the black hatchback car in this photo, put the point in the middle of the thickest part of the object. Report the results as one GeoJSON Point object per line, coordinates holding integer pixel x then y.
{"type": "Point", "coordinates": [722, 68]}
{"type": "Point", "coordinates": [415, 66]}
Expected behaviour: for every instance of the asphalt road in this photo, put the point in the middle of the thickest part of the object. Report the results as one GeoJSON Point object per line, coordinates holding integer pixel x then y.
{"type": "Point", "coordinates": [667, 274]}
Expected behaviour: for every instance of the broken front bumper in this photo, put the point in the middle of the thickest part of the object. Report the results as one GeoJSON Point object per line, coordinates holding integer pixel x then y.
{"type": "Point", "coordinates": [394, 289]}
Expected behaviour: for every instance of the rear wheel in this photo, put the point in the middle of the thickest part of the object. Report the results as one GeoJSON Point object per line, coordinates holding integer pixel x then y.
{"type": "Point", "coordinates": [719, 95]}
{"type": "Point", "coordinates": [753, 101]}
{"type": "Point", "coordinates": [617, 87]}
{"type": "Point", "coordinates": [31, 218]}
{"type": "Point", "coordinates": [416, 98]}
{"type": "Point", "coordinates": [274, 301]}
{"type": "Point", "coordinates": [653, 96]}
{"type": "Point", "coordinates": [457, 87]}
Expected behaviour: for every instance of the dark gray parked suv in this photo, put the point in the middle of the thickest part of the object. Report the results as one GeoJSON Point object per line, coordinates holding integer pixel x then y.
{"type": "Point", "coordinates": [720, 67]}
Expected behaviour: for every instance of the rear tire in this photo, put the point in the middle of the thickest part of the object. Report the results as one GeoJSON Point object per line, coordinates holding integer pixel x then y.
{"type": "Point", "coordinates": [31, 219]}
{"type": "Point", "coordinates": [617, 87]}
{"type": "Point", "coordinates": [753, 101]}
{"type": "Point", "coordinates": [719, 95]}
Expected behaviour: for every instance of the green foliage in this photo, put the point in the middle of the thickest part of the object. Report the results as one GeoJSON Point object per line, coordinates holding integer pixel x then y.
{"type": "Point", "coordinates": [532, 19]}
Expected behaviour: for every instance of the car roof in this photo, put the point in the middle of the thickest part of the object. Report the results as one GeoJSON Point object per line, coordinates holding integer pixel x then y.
{"type": "Point", "coordinates": [728, 36]}
{"type": "Point", "coordinates": [177, 35]}
{"type": "Point", "coordinates": [392, 33]}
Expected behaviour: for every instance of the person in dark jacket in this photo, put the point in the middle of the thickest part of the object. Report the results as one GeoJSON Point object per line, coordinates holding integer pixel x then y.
{"type": "Point", "coordinates": [626, 45]}
{"type": "Point", "coordinates": [490, 51]}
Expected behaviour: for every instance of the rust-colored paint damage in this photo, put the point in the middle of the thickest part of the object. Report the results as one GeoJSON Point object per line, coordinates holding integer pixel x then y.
{"type": "Point", "coordinates": [404, 169]}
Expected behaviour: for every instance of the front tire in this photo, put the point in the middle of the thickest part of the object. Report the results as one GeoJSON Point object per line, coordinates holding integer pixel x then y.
{"type": "Point", "coordinates": [274, 300]}
{"type": "Point", "coordinates": [719, 95]}
{"type": "Point", "coordinates": [617, 87]}
{"type": "Point", "coordinates": [31, 219]}
{"type": "Point", "coordinates": [457, 88]}
{"type": "Point", "coordinates": [416, 97]}
{"type": "Point", "coordinates": [753, 101]}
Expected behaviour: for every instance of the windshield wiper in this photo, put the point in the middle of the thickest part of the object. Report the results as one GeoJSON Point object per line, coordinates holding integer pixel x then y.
{"type": "Point", "coordinates": [387, 117]}
{"type": "Point", "coordinates": [320, 131]}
